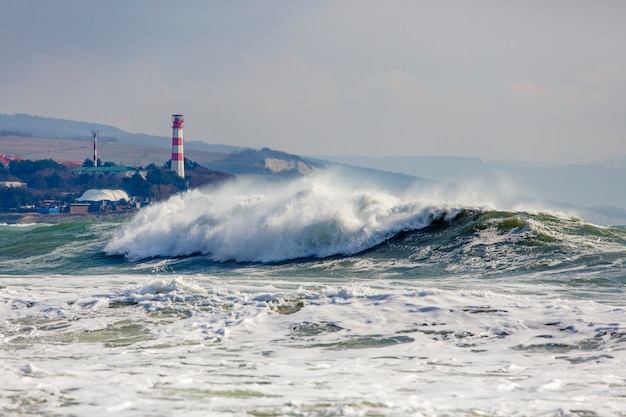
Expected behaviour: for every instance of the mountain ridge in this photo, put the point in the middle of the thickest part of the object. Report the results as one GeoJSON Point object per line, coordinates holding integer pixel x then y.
{"type": "Point", "coordinates": [55, 128]}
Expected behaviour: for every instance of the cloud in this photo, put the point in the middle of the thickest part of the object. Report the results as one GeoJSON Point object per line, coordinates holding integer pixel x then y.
{"type": "Point", "coordinates": [403, 77]}
{"type": "Point", "coordinates": [600, 86]}
{"type": "Point", "coordinates": [528, 89]}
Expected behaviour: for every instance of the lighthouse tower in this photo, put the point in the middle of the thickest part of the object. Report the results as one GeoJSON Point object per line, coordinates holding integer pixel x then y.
{"type": "Point", "coordinates": [178, 158]}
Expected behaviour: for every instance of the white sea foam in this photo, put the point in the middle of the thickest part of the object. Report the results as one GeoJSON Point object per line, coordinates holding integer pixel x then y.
{"type": "Point", "coordinates": [206, 345]}
{"type": "Point", "coordinates": [24, 224]}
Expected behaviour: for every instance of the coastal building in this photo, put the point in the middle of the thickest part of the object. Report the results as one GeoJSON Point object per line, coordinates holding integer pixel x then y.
{"type": "Point", "coordinates": [6, 160]}
{"type": "Point", "coordinates": [99, 200]}
{"type": "Point", "coordinates": [12, 184]}
{"type": "Point", "coordinates": [77, 208]}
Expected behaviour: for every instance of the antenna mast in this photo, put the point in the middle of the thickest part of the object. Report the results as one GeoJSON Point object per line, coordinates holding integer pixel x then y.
{"type": "Point", "coordinates": [94, 135]}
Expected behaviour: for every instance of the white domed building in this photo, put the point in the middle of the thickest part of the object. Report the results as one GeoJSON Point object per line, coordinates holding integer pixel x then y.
{"type": "Point", "coordinates": [99, 200]}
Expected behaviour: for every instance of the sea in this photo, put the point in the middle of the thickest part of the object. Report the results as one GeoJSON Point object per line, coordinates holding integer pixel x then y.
{"type": "Point", "coordinates": [335, 294]}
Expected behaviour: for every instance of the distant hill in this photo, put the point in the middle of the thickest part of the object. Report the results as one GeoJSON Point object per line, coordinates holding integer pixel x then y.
{"type": "Point", "coordinates": [51, 128]}
{"type": "Point", "coordinates": [246, 161]}
{"type": "Point", "coordinates": [36, 137]}
{"type": "Point", "coordinates": [264, 161]}
{"type": "Point", "coordinates": [26, 147]}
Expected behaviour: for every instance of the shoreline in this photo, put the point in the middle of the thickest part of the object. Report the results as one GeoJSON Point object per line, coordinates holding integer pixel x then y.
{"type": "Point", "coordinates": [57, 218]}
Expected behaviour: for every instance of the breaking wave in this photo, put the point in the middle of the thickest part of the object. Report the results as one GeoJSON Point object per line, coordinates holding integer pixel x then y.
{"type": "Point", "coordinates": [332, 214]}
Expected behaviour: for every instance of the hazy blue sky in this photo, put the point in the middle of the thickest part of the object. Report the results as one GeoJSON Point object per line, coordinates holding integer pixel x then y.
{"type": "Point", "coordinates": [532, 80]}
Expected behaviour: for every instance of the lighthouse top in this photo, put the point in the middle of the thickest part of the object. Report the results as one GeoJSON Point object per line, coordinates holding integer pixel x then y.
{"type": "Point", "coordinates": [177, 121]}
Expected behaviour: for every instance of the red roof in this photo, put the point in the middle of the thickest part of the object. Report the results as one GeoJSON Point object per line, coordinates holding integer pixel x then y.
{"type": "Point", "coordinates": [71, 164]}
{"type": "Point", "coordinates": [6, 159]}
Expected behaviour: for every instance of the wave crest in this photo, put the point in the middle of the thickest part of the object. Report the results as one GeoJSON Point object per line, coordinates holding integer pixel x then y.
{"type": "Point", "coordinates": [251, 220]}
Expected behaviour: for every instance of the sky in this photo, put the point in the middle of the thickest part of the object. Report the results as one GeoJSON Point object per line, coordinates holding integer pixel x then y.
{"type": "Point", "coordinates": [523, 80]}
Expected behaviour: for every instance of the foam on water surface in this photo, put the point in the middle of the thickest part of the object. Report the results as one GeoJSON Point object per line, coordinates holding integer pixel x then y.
{"type": "Point", "coordinates": [211, 345]}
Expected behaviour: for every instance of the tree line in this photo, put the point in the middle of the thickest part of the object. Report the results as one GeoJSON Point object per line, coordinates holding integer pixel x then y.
{"type": "Point", "coordinates": [49, 180]}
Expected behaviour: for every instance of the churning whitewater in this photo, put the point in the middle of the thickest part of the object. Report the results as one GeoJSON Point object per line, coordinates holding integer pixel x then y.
{"type": "Point", "coordinates": [336, 294]}
{"type": "Point", "coordinates": [313, 217]}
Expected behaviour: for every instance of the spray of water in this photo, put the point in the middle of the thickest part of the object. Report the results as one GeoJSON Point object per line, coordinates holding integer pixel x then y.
{"type": "Point", "coordinates": [334, 212]}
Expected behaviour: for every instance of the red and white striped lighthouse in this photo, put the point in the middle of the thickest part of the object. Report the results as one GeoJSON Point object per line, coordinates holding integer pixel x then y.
{"type": "Point", "coordinates": [178, 157]}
